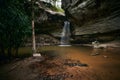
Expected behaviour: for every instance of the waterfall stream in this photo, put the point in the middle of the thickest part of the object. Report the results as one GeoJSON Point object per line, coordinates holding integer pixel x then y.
{"type": "Point", "coordinates": [65, 36]}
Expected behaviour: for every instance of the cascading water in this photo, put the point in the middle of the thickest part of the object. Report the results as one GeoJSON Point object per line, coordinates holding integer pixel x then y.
{"type": "Point", "coordinates": [65, 37]}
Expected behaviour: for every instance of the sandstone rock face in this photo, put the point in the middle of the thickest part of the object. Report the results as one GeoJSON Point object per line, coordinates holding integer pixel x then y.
{"type": "Point", "coordinates": [42, 40]}
{"type": "Point", "coordinates": [47, 17]}
{"type": "Point", "coordinates": [93, 16]}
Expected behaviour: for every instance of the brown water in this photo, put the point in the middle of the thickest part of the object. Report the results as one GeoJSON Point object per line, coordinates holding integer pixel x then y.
{"type": "Point", "coordinates": [106, 63]}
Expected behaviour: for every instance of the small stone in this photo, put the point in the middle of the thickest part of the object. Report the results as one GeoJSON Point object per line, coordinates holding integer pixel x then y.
{"type": "Point", "coordinates": [36, 55]}
{"type": "Point", "coordinates": [105, 56]}
{"type": "Point", "coordinates": [94, 54]}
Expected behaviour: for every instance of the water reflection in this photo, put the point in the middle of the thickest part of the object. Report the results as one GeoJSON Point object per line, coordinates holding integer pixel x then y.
{"type": "Point", "coordinates": [79, 52]}
{"type": "Point", "coordinates": [95, 52]}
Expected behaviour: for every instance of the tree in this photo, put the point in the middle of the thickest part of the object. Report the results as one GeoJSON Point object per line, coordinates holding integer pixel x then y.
{"type": "Point", "coordinates": [14, 25]}
{"type": "Point", "coordinates": [33, 29]}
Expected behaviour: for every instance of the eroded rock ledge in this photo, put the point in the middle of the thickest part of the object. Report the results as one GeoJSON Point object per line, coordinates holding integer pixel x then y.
{"type": "Point", "coordinates": [93, 16]}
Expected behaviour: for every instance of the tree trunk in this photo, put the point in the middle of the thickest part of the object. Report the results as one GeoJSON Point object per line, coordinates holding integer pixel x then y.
{"type": "Point", "coordinates": [33, 29]}
{"type": "Point", "coordinates": [9, 51]}
{"type": "Point", "coordinates": [2, 50]}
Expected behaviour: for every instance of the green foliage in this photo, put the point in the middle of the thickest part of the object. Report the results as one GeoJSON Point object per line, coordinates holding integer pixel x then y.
{"type": "Point", "coordinates": [14, 25]}
{"type": "Point", "coordinates": [57, 9]}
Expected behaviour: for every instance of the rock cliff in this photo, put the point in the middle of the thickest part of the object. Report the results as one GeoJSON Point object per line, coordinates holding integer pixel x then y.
{"type": "Point", "coordinates": [93, 16]}
{"type": "Point", "coordinates": [48, 18]}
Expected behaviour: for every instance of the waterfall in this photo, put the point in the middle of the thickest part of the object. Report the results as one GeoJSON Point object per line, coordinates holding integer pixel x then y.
{"type": "Point", "coordinates": [65, 37]}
